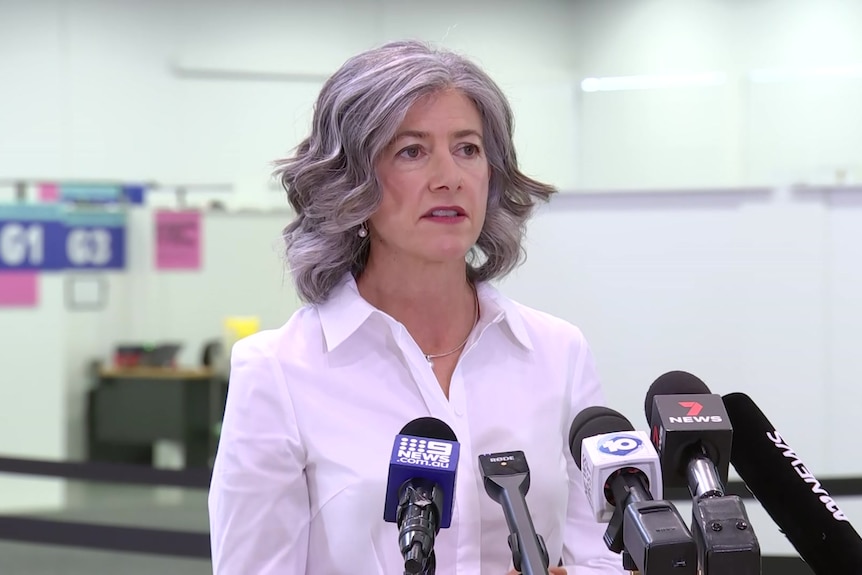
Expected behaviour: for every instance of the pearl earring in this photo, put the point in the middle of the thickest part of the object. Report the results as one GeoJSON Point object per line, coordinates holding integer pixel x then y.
{"type": "Point", "coordinates": [363, 231]}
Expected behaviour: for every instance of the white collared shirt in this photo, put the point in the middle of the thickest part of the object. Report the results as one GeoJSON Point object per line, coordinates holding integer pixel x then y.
{"type": "Point", "coordinates": [313, 408]}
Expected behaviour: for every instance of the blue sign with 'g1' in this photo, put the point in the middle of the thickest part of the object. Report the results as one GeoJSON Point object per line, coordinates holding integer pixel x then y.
{"type": "Point", "coordinates": [40, 237]}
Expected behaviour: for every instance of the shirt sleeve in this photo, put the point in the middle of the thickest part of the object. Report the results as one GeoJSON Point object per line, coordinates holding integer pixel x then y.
{"type": "Point", "coordinates": [258, 498]}
{"type": "Point", "coordinates": [584, 550]}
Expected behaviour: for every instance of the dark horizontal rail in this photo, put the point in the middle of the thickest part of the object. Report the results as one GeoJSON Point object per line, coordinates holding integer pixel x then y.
{"type": "Point", "coordinates": [100, 472]}
{"type": "Point", "coordinates": [105, 537]}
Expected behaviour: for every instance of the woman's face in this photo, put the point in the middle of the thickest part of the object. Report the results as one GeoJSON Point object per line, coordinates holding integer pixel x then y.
{"type": "Point", "coordinates": [434, 177]}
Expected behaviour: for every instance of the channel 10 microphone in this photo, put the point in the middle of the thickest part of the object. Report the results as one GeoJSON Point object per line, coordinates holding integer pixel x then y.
{"type": "Point", "coordinates": [506, 477]}
{"type": "Point", "coordinates": [420, 490]}
{"type": "Point", "coordinates": [789, 492]}
{"type": "Point", "coordinates": [693, 435]}
{"type": "Point", "coordinates": [621, 477]}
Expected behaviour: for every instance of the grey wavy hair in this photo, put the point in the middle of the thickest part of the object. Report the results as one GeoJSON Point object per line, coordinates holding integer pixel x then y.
{"type": "Point", "coordinates": [331, 182]}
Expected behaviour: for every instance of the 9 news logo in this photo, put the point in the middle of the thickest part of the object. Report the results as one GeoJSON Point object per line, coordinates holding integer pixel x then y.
{"type": "Point", "coordinates": [619, 445]}
{"type": "Point", "coordinates": [427, 453]}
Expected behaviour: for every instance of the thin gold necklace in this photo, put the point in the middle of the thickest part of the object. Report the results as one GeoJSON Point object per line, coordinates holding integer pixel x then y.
{"type": "Point", "coordinates": [430, 357]}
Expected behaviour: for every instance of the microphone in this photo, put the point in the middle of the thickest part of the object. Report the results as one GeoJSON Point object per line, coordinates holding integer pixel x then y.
{"type": "Point", "coordinates": [507, 480]}
{"type": "Point", "coordinates": [790, 493]}
{"type": "Point", "coordinates": [420, 490]}
{"type": "Point", "coordinates": [621, 474]}
{"type": "Point", "coordinates": [692, 432]}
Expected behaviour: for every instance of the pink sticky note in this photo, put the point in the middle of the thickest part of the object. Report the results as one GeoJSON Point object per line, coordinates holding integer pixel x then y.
{"type": "Point", "coordinates": [19, 289]}
{"type": "Point", "coordinates": [178, 240]}
{"type": "Point", "coordinates": [49, 193]}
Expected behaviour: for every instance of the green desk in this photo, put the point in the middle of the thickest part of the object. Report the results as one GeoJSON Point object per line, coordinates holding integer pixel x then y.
{"type": "Point", "coordinates": [137, 407]}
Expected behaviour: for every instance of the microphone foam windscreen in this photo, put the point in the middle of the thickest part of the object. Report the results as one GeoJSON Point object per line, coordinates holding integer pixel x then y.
{"type": "Point", "coordinates": [674, 383]}
{"type": "Point", "coordinates": [595, 420]}
{"type": "Point", "coordinates": [430, 427]}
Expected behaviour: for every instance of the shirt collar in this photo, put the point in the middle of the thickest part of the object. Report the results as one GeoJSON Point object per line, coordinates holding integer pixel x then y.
{"type": "Point", "coordinates": [344, 312]}
{"type": "Point", "coordinates": [497, 308]}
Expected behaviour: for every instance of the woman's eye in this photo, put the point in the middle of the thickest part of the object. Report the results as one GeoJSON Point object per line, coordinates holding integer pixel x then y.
{"type": "Point", "coordinates": [411, 152]}
{"type": "Point", "coordinates": [470, 150]}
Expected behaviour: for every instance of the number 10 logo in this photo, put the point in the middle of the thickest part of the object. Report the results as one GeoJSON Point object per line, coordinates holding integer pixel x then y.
{"type": "Point", "coordinates": [619, 444]}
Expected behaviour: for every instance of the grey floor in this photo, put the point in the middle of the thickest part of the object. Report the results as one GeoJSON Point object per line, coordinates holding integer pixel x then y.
{"type": "Point", "coordinates": [160, 508]}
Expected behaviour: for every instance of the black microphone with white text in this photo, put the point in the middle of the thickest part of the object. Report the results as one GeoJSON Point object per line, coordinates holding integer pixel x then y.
{"type": "Point", "coordinates": [789, 492]}
{"type": "Point", "coordinates": [507, 479]}
{"type": "Point", "coordinates": [693, 435]}
{"type": "Point", "coordinates": [621, 476]}
{"type": "Point", "coordinates": [420, 490]}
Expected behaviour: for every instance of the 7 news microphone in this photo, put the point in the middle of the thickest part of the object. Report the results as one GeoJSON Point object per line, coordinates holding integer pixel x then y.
{"type": "Point", "coordinates": [790, 493]}
{"type": "Point", "coordinates": [507, 479]}
{"type": "Point", "coordinates": [693, 435]}
{"type": "Point", "coordinates": [621, 475]}
{"type": "Point", "coordinates": [420, 490]}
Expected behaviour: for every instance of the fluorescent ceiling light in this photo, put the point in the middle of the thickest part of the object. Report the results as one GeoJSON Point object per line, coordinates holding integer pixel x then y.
{"type": "Point", "coordinates": [771, 75]}
{"type": "Point", "coordinates": [652, 82]}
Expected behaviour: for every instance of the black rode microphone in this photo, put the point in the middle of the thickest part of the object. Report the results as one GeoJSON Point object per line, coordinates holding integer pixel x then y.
{"type": "Point", "coordinates": [789, 493]}
{"type": "Point", "coordinates": [621, 473]}
{"type": "Point", "coordinates": [692, 432]}
{"type": "Point", "coordinates": [507, 479]}
{"type": "Point", "coordinates": [420, 490]}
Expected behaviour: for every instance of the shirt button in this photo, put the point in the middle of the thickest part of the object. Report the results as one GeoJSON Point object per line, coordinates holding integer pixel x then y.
{"type": "Point", "coordinates": [459, 411]}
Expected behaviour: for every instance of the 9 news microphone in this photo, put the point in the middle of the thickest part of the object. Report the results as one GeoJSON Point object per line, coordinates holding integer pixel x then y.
{"type": "Point", "coordinates": [507, 479]}
{"type": "Point", "coordinates": [621, 475]}
{"type": "Point", "coordinates": [790, 493]}
{"type": "Point", "coordinates": [693, 435]}
{"type": "Point", "coordinates": [420, 490]}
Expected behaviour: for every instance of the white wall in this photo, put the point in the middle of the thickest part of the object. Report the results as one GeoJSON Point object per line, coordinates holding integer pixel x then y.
{"type": "Point", "coordinates": [842, 391]}
{"type": "Point", "coordinates": [738, 133]}
{"type": "Point", "coordinates": [695, 282]}
{"type": "Point", "coordinates": [212, 92]}
{"type": "Point", "coordinates": [32, 114]}
{"type": "Point", "coordinates": [242, 275]}
{"type": "Point", "coordinates": [32, 393]}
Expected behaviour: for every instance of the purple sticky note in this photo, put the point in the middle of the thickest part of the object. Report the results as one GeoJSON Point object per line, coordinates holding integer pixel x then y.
{"type": "Point", "coordinates": [19, 289]}
{"type": "Point", "coordinates": [178, 240]}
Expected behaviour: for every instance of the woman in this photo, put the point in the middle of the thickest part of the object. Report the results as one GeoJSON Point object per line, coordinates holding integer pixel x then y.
{"type": "Point", "coordinates": [408, 201]}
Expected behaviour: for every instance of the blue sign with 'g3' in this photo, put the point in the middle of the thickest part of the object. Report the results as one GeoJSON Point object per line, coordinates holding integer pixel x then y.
{"type": "Point", "coordinates": [95, 240]}
{"type": "Point", "coordinates": [619, 444]}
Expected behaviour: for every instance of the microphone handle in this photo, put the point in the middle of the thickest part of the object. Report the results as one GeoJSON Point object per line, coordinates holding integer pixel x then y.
{"type": "Point", "coordinates": [533, 560]}
{"type": "Point", "coordinates": [703, 478]}
{"type": "Point", "coordinates": [417, 526]}
{"type": "Point", "coordinates": [431, 568]}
